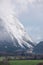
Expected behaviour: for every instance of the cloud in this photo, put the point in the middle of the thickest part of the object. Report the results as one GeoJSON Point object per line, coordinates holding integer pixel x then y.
{"type": "Point", "coordinates": [20, 6]}
{"type": "Point", "coordinates": [35, 32]}
{"type": "Point", "coordinates": [23, 5]}
{"type": "Point", "coordinates": [35, 8]}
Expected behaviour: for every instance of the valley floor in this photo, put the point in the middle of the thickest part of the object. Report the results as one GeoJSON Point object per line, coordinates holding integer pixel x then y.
{"type": "Point", "coordinates": [25, 62]}
{"type": "Point", "coordinates": [22, 62]}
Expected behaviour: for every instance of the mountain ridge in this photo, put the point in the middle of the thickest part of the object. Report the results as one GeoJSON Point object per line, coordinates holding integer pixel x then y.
{"type": "Point", "coordinates": [38, 49]}
{"type": "Point", "coordinates": [11, 28]}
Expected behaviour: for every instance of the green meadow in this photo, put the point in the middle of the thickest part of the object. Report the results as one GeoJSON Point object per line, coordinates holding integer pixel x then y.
{"type": "Point", "coordinates": [25, 62]}
{"type": "Point", "coordinates": [22, 62]}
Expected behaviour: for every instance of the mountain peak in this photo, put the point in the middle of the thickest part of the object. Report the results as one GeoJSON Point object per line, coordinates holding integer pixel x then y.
{"type": "Point", "coordinates": [13, 27]}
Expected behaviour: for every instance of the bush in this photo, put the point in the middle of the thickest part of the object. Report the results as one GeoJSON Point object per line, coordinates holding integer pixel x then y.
{"type": "Point", "coordinates": [40, 64]}
{"type": "Point", "coordinates": [4, 62]}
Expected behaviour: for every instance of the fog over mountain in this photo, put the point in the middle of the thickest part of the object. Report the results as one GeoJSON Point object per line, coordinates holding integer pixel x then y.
{"type": "Point", "coordinates": [11, 30]}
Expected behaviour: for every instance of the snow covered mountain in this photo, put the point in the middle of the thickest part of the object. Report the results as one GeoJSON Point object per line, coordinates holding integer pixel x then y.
{"type": "Point", "coordinates": [15, 30]}
{"type": "Point", "coordinates": [11, 29]}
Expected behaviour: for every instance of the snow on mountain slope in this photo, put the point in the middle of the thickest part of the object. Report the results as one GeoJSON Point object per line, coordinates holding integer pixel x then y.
{"type": "Point", "coordinates": [14, 28]}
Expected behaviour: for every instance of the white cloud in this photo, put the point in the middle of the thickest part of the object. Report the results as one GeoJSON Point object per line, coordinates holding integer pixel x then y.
{"type": "Point", "coordinates": [23, 5]}
{"type": "Point", "coordinates": [20, 6]}
{"type": "Point", "coordinates": [35, 32]}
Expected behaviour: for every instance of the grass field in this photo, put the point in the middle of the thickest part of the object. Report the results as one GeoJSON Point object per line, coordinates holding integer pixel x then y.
{"type": "Point", "coordinates": [25, 62]}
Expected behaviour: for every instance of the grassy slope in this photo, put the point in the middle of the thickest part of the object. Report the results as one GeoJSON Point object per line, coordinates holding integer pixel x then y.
{"type": "Point", "coordinates": [25, 62]}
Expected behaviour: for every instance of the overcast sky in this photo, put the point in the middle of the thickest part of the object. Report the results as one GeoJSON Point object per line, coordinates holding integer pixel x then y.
{"type": "Point", "coordinates": [30, 14]}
